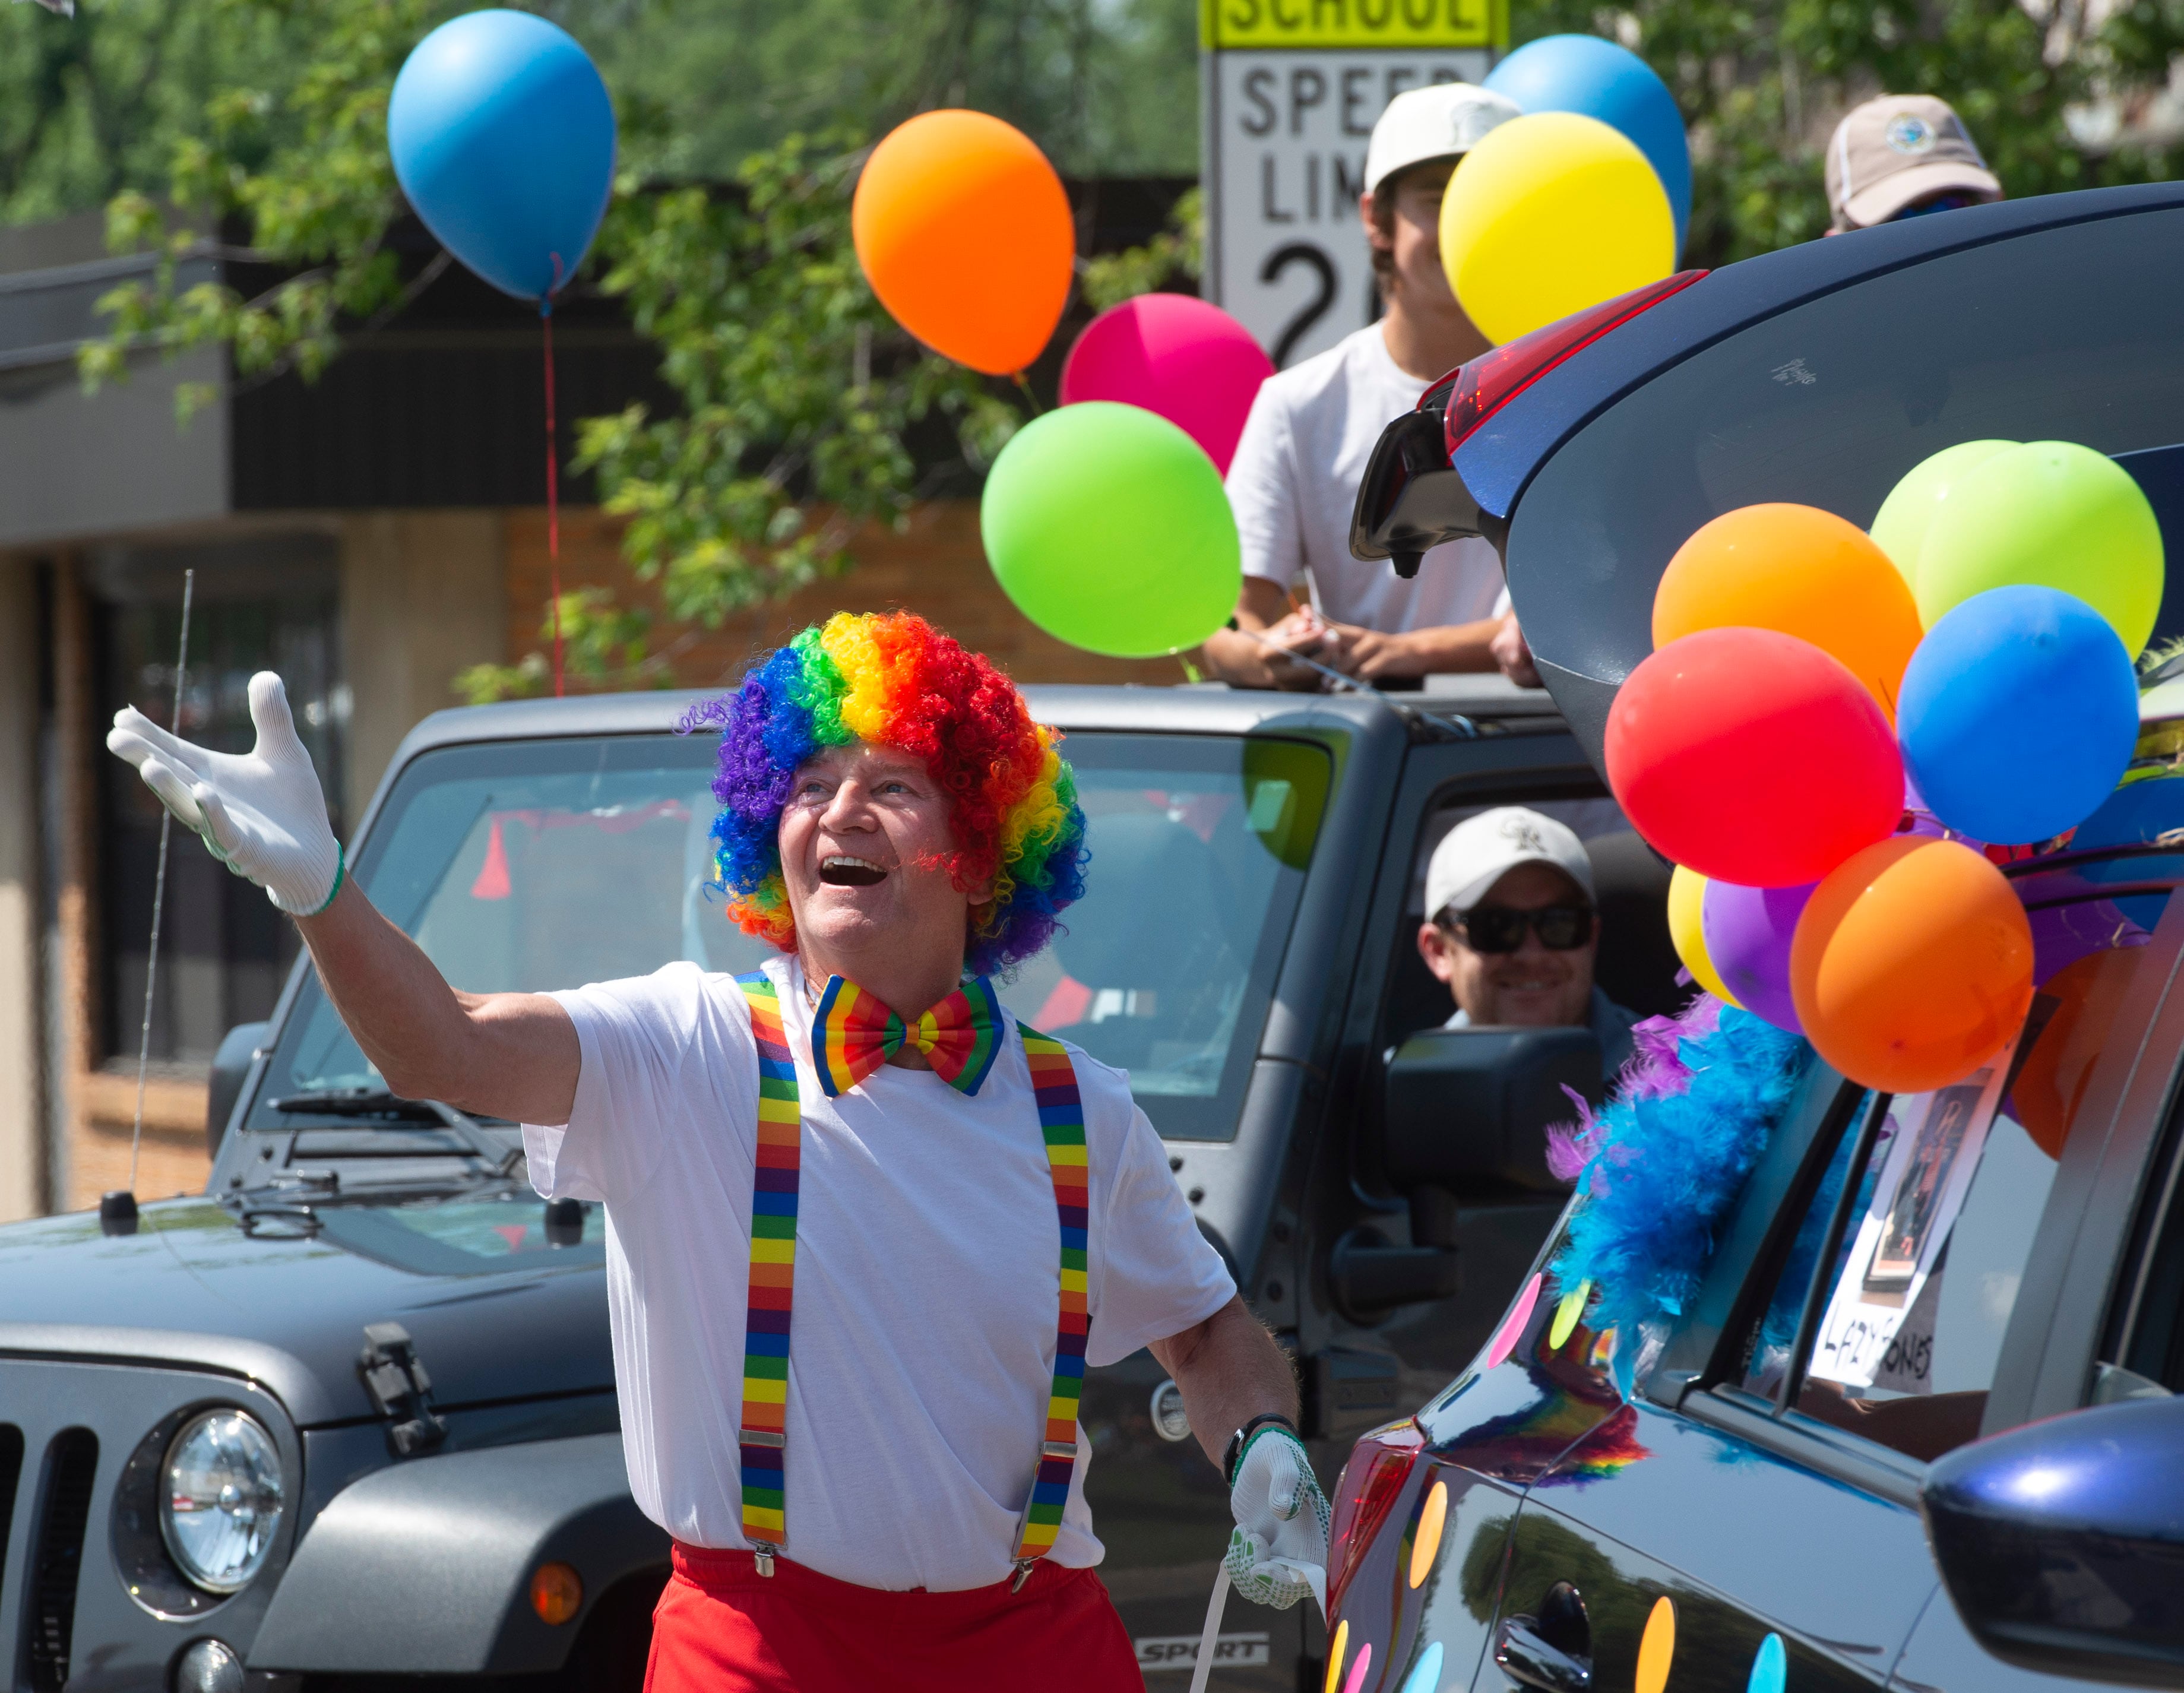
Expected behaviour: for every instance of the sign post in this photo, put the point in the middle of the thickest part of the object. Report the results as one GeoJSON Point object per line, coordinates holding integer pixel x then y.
{"type": "Point", "coordinates": [1290, 90]}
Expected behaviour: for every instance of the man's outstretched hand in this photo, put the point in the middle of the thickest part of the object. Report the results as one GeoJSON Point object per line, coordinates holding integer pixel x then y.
{"type": "Point", "coordinates": [262, 813]}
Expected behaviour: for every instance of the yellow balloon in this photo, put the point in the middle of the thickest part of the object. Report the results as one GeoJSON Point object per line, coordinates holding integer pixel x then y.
{"type": "Point", "coordinates": [1687, 930]}
{"type": "Point", "coordinates": [1550, 213]}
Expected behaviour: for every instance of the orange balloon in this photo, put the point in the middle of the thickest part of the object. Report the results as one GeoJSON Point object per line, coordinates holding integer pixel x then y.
{"type": "Point", "coordinates": [1804, 571]}
{"type": "Point", "coordinates": [2052, 1084]}
{"type": "Point", "coordinates": [965, 234]}
{"type": "Point", "coordinates": [1911, 964]}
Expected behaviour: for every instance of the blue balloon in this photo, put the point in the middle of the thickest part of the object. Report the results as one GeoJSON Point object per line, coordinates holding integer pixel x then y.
{"type": "Point", "coordinates": [503, 139]}
{"type": "Point", "coordinates": [1603, 80]}
{"type": "Point", "coordinates": [2018, 714]}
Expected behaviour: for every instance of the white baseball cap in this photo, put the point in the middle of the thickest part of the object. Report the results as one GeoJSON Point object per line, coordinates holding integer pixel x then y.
{"type": "Point", "coordinates": [1480, 850]}
{"type": "Point", "coordinates": [1440, 120]}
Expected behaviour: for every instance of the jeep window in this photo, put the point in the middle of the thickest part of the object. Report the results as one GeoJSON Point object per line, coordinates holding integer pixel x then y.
{"type": "Point", "coordinates": [1199, 846]}
{"type": "Point", "coordinates": [526, 866]}
{"type": "Point", "coordinates": [1636, 966]}
{"type": "Point", "coordinates": [1921, 1289]}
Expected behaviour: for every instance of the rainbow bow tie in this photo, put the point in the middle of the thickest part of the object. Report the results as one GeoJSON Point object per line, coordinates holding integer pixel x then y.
{"type": "Point", "coordinates": [853, 1034]}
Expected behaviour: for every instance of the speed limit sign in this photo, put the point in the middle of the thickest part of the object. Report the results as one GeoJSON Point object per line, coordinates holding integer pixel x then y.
{"type": "Point", "coordinates": [1291, 89]}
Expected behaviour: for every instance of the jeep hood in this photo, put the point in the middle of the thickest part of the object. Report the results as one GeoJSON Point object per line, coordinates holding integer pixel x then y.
{"type": "Point", "coordinates": [190, 1288]}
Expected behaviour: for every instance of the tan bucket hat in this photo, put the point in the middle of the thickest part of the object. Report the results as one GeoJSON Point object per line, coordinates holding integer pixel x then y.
{"type": "Point", "coordinates": [1889, 153]}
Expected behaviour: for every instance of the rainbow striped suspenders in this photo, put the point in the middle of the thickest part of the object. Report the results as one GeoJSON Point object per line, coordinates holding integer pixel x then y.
{"type": "Point", "coordinates": [1061, 1125]}
{"type": "Point", "coordinates": [763, 1437]}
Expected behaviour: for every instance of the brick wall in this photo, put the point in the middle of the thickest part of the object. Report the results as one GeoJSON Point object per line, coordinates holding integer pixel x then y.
{"type": "Point", "coordinates": [936, 567]}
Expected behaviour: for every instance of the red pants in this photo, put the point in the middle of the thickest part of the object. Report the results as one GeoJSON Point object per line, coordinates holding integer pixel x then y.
{"type": "Point", "coordinates": [722, 1628]}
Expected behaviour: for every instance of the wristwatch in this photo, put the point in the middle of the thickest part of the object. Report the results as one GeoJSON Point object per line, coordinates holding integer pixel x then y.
{"type": "Point", "coordinates": [1234, 1451]}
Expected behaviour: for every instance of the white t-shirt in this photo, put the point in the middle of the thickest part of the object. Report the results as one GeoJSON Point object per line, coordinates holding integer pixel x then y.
{"type": "Point", "coordinates": [927, 1278]}
{"type": "Point", "coordinates": [1294, 479]}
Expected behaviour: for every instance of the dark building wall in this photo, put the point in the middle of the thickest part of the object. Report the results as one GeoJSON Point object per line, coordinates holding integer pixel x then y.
{"type": "Point", "coordinates": [444, 406]}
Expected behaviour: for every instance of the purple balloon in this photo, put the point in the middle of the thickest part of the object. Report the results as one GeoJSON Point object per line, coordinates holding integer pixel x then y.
{"type": "Point", "coordinates": [1748, 931]}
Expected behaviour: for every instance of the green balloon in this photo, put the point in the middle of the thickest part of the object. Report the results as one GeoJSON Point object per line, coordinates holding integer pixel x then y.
{"type": "Point", "coordinates": [1109, 528]}
{"type": "Point", "coordinates": [2050, 513]}
{"type": "Point", "coordinates": [1899, 529]}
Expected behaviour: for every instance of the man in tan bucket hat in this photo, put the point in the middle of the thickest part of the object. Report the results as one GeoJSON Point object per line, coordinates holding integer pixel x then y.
{"type": "Point", "coordinates": [1903, 155]}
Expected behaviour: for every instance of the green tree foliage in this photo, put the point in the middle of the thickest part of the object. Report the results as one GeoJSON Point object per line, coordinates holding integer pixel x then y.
{"type": "Point", "coordinates": [301, 167]}
{"type": "Point", "coordinates": [92, 105]}
{"type": "Point", "coordinates": [1762, 82]}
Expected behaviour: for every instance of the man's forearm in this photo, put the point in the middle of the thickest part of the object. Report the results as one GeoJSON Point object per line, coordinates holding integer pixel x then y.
{"type": "Point", "coordinates": [505, 1055]}
{"type": "Point", "coordinates": [1230, 1371]}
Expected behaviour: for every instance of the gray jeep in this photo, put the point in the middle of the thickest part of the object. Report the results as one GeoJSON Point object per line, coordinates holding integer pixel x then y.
{"type": "Point", "coordinates": [348, 1420]}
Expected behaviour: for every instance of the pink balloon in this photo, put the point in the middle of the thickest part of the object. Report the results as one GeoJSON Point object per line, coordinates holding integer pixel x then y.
{"type": "Point", "coordinates": [1175, 355]}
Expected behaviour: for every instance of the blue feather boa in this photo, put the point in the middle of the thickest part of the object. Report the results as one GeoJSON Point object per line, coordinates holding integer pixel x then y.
{"type": "Point", "coordinates": [1664, 1162]}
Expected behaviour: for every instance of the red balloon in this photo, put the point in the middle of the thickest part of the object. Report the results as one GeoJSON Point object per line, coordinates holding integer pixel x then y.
{"type": "Point", "coordinates": [1753, 757]}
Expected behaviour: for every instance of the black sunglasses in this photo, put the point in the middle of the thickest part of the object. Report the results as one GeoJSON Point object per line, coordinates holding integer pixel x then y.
{"type": "Point", "coordinates": [1500, 928]}
{"type": "Point", "coordinates": [1953, 202]}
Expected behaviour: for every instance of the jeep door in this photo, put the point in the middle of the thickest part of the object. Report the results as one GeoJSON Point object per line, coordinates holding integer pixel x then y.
{"type": "Point", "coordinates": [1899, 1276]}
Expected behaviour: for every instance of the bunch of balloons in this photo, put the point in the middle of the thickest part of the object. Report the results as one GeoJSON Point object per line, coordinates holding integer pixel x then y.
{"type": "Point", "coordinates": [1584, 198]}
{"type": "Point", "coordinates": [1838, 736]}
{"type": "Point", "coordinates": [1105, 521]}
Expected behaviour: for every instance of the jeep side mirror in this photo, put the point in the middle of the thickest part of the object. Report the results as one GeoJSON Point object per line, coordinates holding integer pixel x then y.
{"type": "Point", "coordinates": [1470, 1107]}
{"type": "Point", "coordinates": [2062, 1543]}
{"type": "Point", "coordinates": [1466, 1108]}
{"type": "Point", "coordinates": [231, 1069]}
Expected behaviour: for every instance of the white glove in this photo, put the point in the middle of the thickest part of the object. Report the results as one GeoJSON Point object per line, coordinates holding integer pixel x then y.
{"type": "Point", "coordinates": [1278, 1553]}
{"type": "Point", "coordinates": [262, 814]}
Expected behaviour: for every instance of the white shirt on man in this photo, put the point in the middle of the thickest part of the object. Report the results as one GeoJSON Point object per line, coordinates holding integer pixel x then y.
{"type": "Point", "coordinates": [1295, 480]}
{"type": "Point", "coordinates": [927, 1284]}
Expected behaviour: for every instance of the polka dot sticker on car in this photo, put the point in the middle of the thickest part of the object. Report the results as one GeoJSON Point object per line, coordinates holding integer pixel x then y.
{"type": "Point", "coordinates": [1770, 1669]}
{"type": "Point", "coordinates": [1656, 1648]}
{"type": "Point", "coordinates": [1425, 1542]}
{"type": "Point", "coordinates": [1567, 1314]}
{"type": "Point", "coordinates": [1513, 1326]}
{"type": "Point", "coordinates": [1426, 1677]}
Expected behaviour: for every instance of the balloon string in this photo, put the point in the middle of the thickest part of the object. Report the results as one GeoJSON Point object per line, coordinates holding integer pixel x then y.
{"type": "Point", "coordinates": [553, 494]}
{"type": "Point", "coordinates": [1031, 400]}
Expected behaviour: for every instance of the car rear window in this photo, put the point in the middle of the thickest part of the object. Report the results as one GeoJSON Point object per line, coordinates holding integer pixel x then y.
{"type": "Point", "coordinates": [2072, 334]}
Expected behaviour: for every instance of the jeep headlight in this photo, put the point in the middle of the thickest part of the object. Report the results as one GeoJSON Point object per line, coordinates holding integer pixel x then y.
{"type": "Point", "coordinates": [220, 1499]}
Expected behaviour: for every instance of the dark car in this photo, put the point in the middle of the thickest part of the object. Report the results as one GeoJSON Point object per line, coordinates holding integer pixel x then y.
{"type": "Point", "coordinates": [1829, 1468]}
{"type": "Point", "coordinates": [347, 1420]}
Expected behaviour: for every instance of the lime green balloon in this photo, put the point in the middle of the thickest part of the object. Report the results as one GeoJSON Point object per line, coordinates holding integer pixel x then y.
{"type": "Point", "coordinates": [1109, 528]}
{"type": "Point", "coordinates": [1899, 529]}
{"type": "Point", "coordinates": [2053, 513]}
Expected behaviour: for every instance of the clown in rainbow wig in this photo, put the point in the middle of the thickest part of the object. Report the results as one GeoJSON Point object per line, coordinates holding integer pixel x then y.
{"type": "Point", "coordinates": [865, 1232]}
{"type": "Point", "coordinates": [897, 682]}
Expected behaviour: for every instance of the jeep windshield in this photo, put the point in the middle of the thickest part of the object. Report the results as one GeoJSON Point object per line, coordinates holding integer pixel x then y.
{"type": "Point", "coordinates": [522, 865]}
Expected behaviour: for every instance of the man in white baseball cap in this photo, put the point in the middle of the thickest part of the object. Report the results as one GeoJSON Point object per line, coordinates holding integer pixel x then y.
{"type": "Point", "coordinates": [1313, 428]}
{"type": "Point", "coordinates": [1512, 927]}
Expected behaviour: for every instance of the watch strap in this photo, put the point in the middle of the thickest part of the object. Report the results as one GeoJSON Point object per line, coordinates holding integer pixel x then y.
{"type": "Point", "coordinates": [1241, 1440]}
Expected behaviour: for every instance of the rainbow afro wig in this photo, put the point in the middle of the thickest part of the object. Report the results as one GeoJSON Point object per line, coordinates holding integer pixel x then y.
{"type": "Point", "coordinates": [893, 680]}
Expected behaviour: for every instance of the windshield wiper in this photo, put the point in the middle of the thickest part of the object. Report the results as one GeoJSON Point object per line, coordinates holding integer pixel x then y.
{"type": "Point", "coordinates": [379, 1102]}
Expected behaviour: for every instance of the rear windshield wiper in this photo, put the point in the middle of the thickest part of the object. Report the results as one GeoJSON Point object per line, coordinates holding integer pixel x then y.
{"type": "Point", "coordinates": [379, 1102]}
